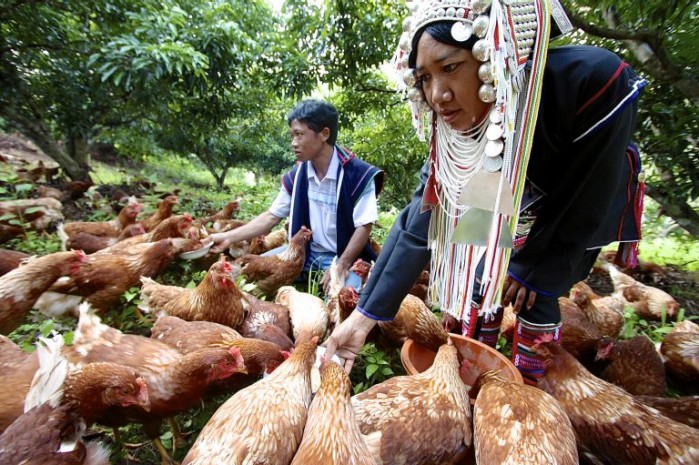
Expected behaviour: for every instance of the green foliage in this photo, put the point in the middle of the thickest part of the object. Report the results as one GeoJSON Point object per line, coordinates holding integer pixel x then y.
{"type": "Point", "coordinates": [374, 365]}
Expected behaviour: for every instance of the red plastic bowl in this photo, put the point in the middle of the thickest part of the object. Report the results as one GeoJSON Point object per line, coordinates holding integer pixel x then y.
{"type": "Point", "coordinates": [416, 359]}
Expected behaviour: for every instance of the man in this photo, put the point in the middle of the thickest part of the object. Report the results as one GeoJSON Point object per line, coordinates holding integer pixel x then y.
{"type": "Point", "coordinates": [330, 191]}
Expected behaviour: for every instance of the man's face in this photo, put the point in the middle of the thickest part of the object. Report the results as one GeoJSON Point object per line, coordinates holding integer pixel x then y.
{"type": "Point", "coordinates": [306, 143]}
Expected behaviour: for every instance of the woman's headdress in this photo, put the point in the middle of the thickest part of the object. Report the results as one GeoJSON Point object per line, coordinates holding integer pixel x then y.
{"type": "Point", "coordinates": [477, 177]}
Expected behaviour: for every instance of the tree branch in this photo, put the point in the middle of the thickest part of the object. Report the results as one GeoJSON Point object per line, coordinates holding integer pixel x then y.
{"type": "Point", "coordinates": [642, 35]}
{"type": "Point", "coordinates": [16, 4]}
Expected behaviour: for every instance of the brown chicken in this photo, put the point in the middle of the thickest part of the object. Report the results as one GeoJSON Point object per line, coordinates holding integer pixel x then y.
{"type": "Point", "coordinates": [267, 242]}
{"type": "Point", "coordinates": [105, 277]}
{"type": "Point", "coordinates": [226, 213]}
{"type": "Point", "coordinates": [507, 326]}
{"type": "Point", "coordinates": [262, 423]}
{"type": "Point", "coordinates": [611, 424]}
{"type": "Point", "coordinates": [10, 259]}
{"type": "Point", "coordinates": [531, 426]}
{"type": "Point", "coordinates": [308, 313]}
{"type": "Point", "coordinates": [163, 212]}
{"type": "Point", "coordinates": [270, 273]}
{"type": "Point", "coordinates": [682, 409]}
{"type": "Point", "coordinates": [681, 354]}
{"type": "Point", "coordinates": [175, 382]}
{"type": "Point", "coordinates": [89, 243]}
{"type": "Point", "coordinates": [341, 305]}
{"type": "Point", "coordinates": [648, 302]}
{"type": "Point", "coordinates": [607, 313]}
{"type": "Point", "coordinates": [633, 365]}
{"type": "Point", "coordinates": [21, 287]}
{"type": "Point", "coordinates": [421, 287]}
{"type": "Point", "coordinates": [63, 400]}
{"type": "Point", "coordinates": [417, 322]}
{"type": "Point", "coordinates": [189, 336]}
{"type": "Point", "coordinates": [424, 418]}
{"type": "Point", "coordinates": [9, 231]}
{"type": "Point", "coordinates": [17, 369]}
{"type": "Point", "coordinates": [332, 435]}
{"type": "Point", "coordinates": [362, 269]}
{"type": "Point", "coordinates": [685, 326]}
{"type": "Point", "coordinates": [578, 334]}
{"type": "Point", "coordinates": [173, 227]}
{"type": "Point", "coordinates": [268, 321]}
{"type": "Point", "coordinates": [127, 215]}
{"type": "Point", "coordinates": [216, 298]}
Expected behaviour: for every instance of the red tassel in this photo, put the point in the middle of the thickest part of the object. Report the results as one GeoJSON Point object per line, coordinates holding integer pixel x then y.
{"type": "Point", "coordinates": [632, 255]}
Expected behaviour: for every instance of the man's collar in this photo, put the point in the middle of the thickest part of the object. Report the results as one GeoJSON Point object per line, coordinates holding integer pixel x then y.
{"type": "Point", "coordinates": [332, 169]}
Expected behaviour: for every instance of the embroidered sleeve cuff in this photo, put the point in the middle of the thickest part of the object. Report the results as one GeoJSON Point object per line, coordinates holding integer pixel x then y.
{"type": "Point", "coordinates": [528, 286]}
{"type": "Point", "coordinates": [369, 315]}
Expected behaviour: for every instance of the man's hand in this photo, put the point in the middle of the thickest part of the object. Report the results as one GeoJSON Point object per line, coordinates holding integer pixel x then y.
{"type": "Point", "coordinates": [516, 294]}
{"type": "Point", "coordinates": [348, 338]}
{"type": "Point", "coordinates": [220, 242]}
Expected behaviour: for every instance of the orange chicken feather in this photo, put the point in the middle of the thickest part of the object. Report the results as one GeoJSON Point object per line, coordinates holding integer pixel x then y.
{"type": "Point", "coordinates": [531, 427]}
{"type": "Point", "coordinates": [648, 302]}
{"type": "Point", "coordinates": [424, 418]}
{"type": "Point", "coordinates": [417, 322]}
{"type": "Point", "coordinates": [127, 215]}
{"type": "Point", "coordinates": [634, 365]}
{"type": "Point", "coordinates": [308, 313]}
{"type": "Point", "coordinates": [607, 313]}
{"type": "Point", "coordinates": [163, 212]}
{"type": "Point", "coordinates": [268, 321]}
{"type": "Point", "coordinates": [262, 423]}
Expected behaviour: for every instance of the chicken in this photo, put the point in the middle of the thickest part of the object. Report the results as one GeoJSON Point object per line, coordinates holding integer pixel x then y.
{"type": "Point", "coordinates": [362, 269]}
{"type": "Point", "coordinates": [642, 270]}
{"type": "Point", "coordinates": [532, 427]}
{"type": "Point", "coordinates": [21, 287]}
{"type": "Point", "coordinates": [175, 382]}
{"type": "Point", "coordinates": [685, 326]}
{"type": "Point", "coordinates": [270, 273]}
{"type": "Point", "coordinates": [421, 286]}
{"type": "Point", "coordinates": [579, 335]}
{"type": "Point", "coordinates": [681, 354]}
{"type": "Point", "coordinates": [48, 191]}
{"type": "Point", "coordinates": [611, 424]}
{"type": "Point", "coordinates": [417, 322]}
{"type": "Point", "coordinates": [17, 368]}
{"type": "Point", "coordinates": [189, 336]}
{"type": "Point", "coordinates": [105, 277]}
{"type": "Point", "coordinates": [262, 423]}
{"type": "Point", "coordinates": [420, 419]}
{"type": "Point", "coordinates": [61, 402]}
{"type": "Point", "coordinates": [308, 313]}
{"type": "Point", "coordinates": [507, 326]}
{"type": "Point", "coordinates": [648, 302]}
{"type": "Point", "coordinates": [268, 321]}
{"type": "Point", "coordinates": [267, 242]}
{"type": "Point", "coordinates": [9, 231]}
{"type": "Point", "coordinates": [682, 409]}
{"type": "Point", "coordinates": [163, 212]}
{"type": "Point", "coordinates": [173, 227]}
{"type": "Point", "coordinates": [341, 305]}
{"type": "Point", "coordinates": [10, 259]}
{"type": "Point", "coordinates": [607, 313]}
{"type": "Point", "coordinates": [127, 215]}
{"type": "Point", "coordinates": [216, 298]}
{"type": "Point", "coordinates": [38, 213]}
{"type": "Point", "coordinates": [332, 435]}
{"type": "Point", "coordinates": [633, 365]}
{"type": "Point", "coordinates": [226, 213]}
{"type": "Point", "coordinates": [89, 243]}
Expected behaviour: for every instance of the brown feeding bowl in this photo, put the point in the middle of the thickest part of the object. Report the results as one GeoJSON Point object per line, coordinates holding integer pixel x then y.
{"type": "Point", "coordinates": [416, 359]}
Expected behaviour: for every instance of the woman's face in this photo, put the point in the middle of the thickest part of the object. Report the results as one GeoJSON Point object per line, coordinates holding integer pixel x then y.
{"type": "Point", "coordinates": [449, 80]}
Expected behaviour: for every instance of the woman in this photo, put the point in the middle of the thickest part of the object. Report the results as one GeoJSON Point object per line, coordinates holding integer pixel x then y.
{"type": "Point", "coordinates": [565, 120]}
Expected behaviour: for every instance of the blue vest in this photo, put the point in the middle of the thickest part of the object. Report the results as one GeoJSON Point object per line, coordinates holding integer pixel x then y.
{"type": "Point", "coordinates": [357, 174]}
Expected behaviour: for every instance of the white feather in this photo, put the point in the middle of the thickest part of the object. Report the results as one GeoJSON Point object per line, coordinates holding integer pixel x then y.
{"type": "Point", "coordinates": [47, 384]}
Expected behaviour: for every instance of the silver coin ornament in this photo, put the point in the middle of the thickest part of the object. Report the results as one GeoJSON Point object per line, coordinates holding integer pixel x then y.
{"type": "Point", "coordinates": [480, 26]}
{"type": "Point", "coordinates": [486, 93]}
{"type": "Point", "coordinates": [494, 132]}
{"type": "Point", "coordinates": [414, 95]}
{"type": "Point", "coordinates": [404, 43]}
{"type": "Point", "coordinates": [407, 24]}
{"type": "Point", "coordinates": [409, 77]}
{"type": "Point", "coordinates": [492, 164]}
{"type": "Point", "coordinates": [485, 73]}
{"type": "Point", "coordinates": [481, 50]}
{"type": "Point", "coordinates": [461, 31]}
{"type": "Point", "coordinates": [495, 116]}
{"type": "Point", "coordinates": [493, 148]}
{"type": "Point", "coordinates": [480, 6]}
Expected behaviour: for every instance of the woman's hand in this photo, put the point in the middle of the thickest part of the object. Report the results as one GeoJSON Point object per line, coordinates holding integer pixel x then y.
{"type": "Point", "coordinates": [348, 338]}
{"type": "Point", "coordinates": [516, 294]}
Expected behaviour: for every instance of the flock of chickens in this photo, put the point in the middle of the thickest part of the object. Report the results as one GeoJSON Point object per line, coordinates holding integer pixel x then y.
{"type": "Point", "coordinates": [603, 400]}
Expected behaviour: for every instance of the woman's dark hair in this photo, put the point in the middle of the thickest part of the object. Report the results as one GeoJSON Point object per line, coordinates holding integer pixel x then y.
{"type": "Point", "coordinates": [441, 32]}
{"type": "Point", "coordinates": [317, 115]}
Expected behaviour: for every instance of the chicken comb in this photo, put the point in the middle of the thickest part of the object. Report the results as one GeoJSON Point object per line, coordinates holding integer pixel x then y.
{"type": "Point", "coordinates": [188, 217]}
{"type": "Point", "coordinates": [81, 256]}
{"type": "Point", "coordinates": [227, 267]}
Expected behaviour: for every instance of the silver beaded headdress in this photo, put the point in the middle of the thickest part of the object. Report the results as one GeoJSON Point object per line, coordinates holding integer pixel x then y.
{"type": "Point", "coordinates": [477, 178]}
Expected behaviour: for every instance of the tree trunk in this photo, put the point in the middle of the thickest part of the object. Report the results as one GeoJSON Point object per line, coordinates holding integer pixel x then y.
{"type": "Point", "coordinates": [77, 150]}
{"type": "Point", "coordinates": [680, 211]}
{"type": "Point", "coordinates": [38, 133]}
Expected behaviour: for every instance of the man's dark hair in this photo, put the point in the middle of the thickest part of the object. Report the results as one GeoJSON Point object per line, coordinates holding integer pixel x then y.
{"type": "Point", "coordinates": [317, 115]}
